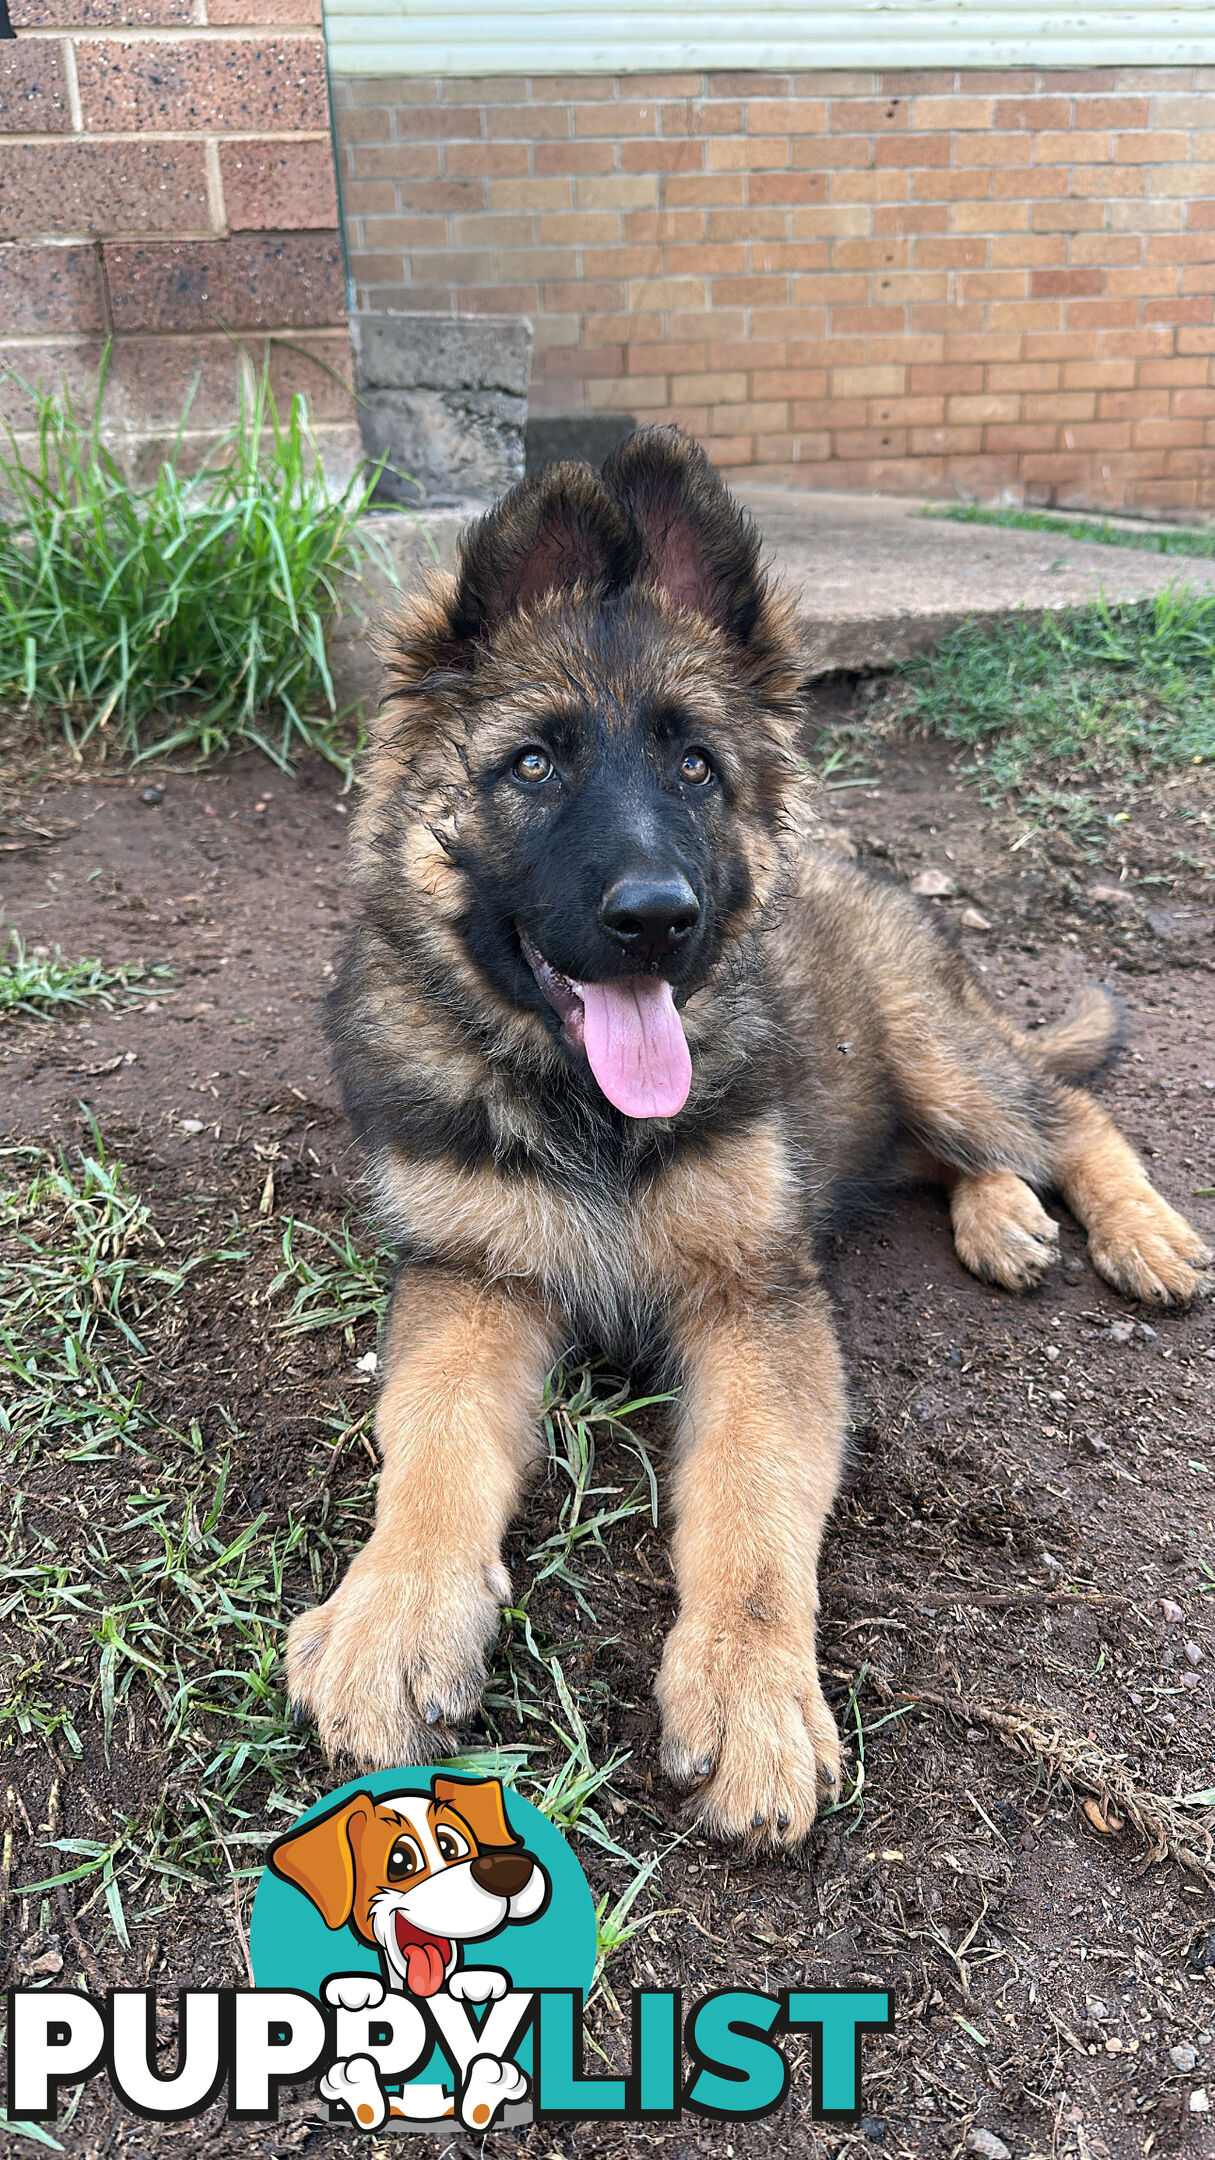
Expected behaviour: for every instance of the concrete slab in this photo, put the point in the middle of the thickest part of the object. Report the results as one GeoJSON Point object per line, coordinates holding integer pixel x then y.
{"type": "Point", "coordinates": [877, 580]}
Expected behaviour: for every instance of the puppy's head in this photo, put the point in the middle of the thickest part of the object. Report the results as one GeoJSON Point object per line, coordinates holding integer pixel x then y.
{"type": "Point", "coordinates": [416, 1874]}
{"type": "Point", "coordinates": [584, 765]}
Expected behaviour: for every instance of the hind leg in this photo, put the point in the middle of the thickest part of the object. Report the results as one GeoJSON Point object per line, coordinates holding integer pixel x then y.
{"type": "Point", "coordinates": [1001, 1231]}
{"type": "Point", "coordinates": [1135, 1239]}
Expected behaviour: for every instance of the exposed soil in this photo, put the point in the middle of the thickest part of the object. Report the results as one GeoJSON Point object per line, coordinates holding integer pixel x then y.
{"type": "Point", "coordinates": [1007, 1451]}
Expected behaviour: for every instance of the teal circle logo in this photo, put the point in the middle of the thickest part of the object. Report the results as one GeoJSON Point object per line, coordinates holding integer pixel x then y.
{"type": "Point", "coordinates": [422, 1908]}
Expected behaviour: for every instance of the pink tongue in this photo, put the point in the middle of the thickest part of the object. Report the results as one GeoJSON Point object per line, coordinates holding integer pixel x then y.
{"type": "Point", "coordinates": [424, 1963]}
{"type": "Point", "coordinates": [635, 1045]}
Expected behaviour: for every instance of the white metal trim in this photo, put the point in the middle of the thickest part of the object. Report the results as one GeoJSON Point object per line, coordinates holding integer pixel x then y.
{"type": "Point", "coordinates": [536, 37]}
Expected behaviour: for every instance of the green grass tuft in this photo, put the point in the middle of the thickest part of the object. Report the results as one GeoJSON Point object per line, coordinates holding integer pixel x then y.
{"type": "Point", "coordinates": [1090, 694]}
{"type": "Point", "coordinates": [39, 984]}
{"type": "Point", "coordinates": [188, 617]}
{"type": "Point", "coordinates": [145, 1600]}
{"type": "Point", "coordinates": [1178, 540]}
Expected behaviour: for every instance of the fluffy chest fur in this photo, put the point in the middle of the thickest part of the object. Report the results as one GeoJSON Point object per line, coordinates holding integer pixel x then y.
{"type": "Point", "coordinates": [611, 1257]}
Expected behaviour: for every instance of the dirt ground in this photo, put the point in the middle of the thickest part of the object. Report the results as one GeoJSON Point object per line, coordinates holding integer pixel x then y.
{"type": "Point", "coordinates": [1032, 1478]}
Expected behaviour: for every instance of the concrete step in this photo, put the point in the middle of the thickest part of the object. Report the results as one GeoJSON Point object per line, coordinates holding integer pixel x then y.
{"type": "Point", "coordinates": [876, 579]}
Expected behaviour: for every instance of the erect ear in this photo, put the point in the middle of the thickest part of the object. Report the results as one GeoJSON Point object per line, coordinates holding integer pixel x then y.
{"type": "Point", "coordinates": [479, 1803]}
{"type": "Point", "coordinates": [558, 530]}
{"type": "Point", "coordinates": [695, 541]}
{"type": "Point", "coordinates": [319, 1859]}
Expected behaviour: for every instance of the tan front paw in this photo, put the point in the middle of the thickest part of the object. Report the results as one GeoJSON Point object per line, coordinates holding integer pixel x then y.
{"type": "Point", "coordinates": [745, 1720]}
{"type": "Point", "coordinates": [394, 1655]}
{"type": "Point", "coordinates": [1147, 1250]}
{"type": "Point", "coordinates": [1001, 1231]}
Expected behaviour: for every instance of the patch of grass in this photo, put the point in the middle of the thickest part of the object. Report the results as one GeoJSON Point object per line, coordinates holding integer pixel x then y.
{"type": "Point", "coordinates": [187, 617]}
{"type": "Point", "coordinates": [1089, 694]}
{"type": "Point", "coordinates": [41, 983]}
{"type": "Point", "coordinates": [336, 1282]}
{"type": "Point", "coordinates": [1178, 540]}
{"type": "Point", "coordinates": [145, 1604]}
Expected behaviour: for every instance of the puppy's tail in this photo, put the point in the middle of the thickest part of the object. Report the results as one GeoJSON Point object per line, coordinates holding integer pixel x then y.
{"type": "Point", "coordinates": [1080, 1043]}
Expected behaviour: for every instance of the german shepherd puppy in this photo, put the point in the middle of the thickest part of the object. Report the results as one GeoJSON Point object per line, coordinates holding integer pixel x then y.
{"type": "Point", "coordinates": [616, 1037]}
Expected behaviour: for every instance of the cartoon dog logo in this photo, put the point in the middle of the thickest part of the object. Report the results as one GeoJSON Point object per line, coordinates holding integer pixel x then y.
{"type": "Point", "coordinates": [416, 1875]}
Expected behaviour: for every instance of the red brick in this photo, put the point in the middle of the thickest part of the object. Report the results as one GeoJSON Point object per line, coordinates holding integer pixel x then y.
{"type": "Point", "coordinates": [615, 120]}
{"type": "Point", "coordinates": [1066, 284]}
{"type": "Point", "coordinates": [277, 187]}
{"type": "Point", "coordinates": [689, 118]}
{"type": "Point", "coordinates": [1193, 309]}
{"type": "Point", "coordinates": [286, 14]}
{"type": "Point", "coordinates": [296, 282]}
{"type": "Point", "coordinates": [33, 96]}
{"type": "Point", "coordinates": [649, 155]}
{"type": "Point", "coordinates": [791, 189]}
{"type": "Point", "coordinates": [83, 187]}
{"type": "Point", "coordinates": [912, 149]}
{"type": "Point", "coordinates": [1021, 435]}
{"type": "Point", "coordinates": [238, 83]}
{"type": "Point", "coordinates": [49, 289]}
{"type": "Point", "coordinates": [1032, 113]}
{"type": "Point", "coordinates": [97, 14]}
{"type": "Point", "coordinates": [571, 157]}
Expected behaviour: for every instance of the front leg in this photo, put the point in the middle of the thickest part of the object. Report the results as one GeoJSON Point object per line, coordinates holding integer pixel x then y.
{"type": "Point", "coordinates": [399, 1646]}
{"type": "Point", "coordinates": [762, 1417]}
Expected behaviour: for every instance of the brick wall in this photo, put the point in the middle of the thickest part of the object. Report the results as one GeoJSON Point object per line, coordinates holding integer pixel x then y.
{"type": "Point", "coordinates": [997, 284]}
{"type": "Point", "coordinates": [166, 179]}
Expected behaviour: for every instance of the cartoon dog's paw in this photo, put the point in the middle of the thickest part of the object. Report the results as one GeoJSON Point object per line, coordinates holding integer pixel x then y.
{"type": "Point", "coordinates": [397, 1651]}
{"type": "Point", "coordinates": [746, 1723]}
{"type": "Point", "coordinates": [1148, 1251]}
{"type": "Point", "coordinates": [490, 2085]}
{"type": "Point", "coordinates": [356, 2085]}
{"type": "Point", "coordinates": [479, 1984]}
{"type": "Point", "coordinates": [1001, 1231]}
{"type": "Point", "coordinates": [354, 1991]}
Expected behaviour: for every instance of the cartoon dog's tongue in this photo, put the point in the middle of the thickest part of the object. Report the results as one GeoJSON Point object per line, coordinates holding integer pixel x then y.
{"type": "Point", "coordinates": [425, 1957]}
{"type": "Point", "coordinates": [635, 1045]}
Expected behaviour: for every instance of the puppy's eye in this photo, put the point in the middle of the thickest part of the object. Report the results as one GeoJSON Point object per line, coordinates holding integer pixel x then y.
{"type": "Point", "coordinates": [450, 1843]}
{"type": "Point", "coordinates": [695, 768]}
{"type": "Point", "coordinates": [404, 1859]}
{"type": "Point", "coordinates": [534, 766]}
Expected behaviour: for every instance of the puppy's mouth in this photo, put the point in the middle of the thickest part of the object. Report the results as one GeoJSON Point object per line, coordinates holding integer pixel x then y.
{"type": "Point", "coordinates": [426, 1956]}
{"type": "Point", "coordinates": [629, 1032]}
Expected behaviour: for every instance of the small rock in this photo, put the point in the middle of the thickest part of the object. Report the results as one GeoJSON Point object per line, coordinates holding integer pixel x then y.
{"type": "Point", "coordinates": [1194, 1653]}
{"type": "Point", "coordinates": [42, 1968]}
{"type": "Point", "coordinates": [1199, 2103]}
{"type": "Point", "coordinates": [191, 1124]}
{"type": "Point", "coordinates": [1172, 1611]}
{"type": "Point", "coordinates": [972, 920]}
{"type": "Point", "coordinates": [1148, 1333]}
{"type": "Point", "coordinates": [989, 2146]}
{"type": "Point", "coordinates": [1190, 1679]}
{"type": "Point", "coordinates": [1184, 2057]}
{"type": "Point", "coordinates": [368, 1363]}
{"type": "Point", "coordinates": [1121, 1330]}
{"type": "Point", "coordinates": [932, 884]}
{"type": "Point", "coordinates": [1052, 1351]}
{"type": "Point", "coordinates": [1113, 895]}
{"type": "Point", "coordinates": [1095, 2009]}
{"type": "Point", "coordinates": [151, 796]}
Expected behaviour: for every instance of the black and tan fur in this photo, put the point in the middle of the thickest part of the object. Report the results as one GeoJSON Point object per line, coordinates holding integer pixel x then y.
{"type": "Point", "coordinates": [835, 1037]}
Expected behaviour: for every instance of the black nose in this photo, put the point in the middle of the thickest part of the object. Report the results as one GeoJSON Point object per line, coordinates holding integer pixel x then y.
{"type": "Point", "coordinates": [649, 916]}
{"type": "Point", "coordinates": [502, 1872]}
